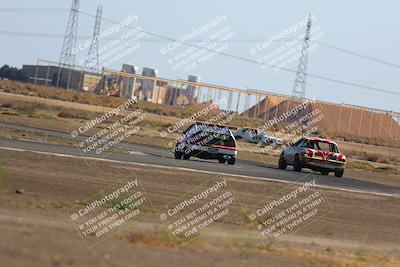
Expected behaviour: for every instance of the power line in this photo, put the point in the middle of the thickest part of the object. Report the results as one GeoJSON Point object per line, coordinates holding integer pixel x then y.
{"type": "Point", "coordinates": [32, 34]}
{"type": "Point", "coordinates": [55, 35]}
{"type": "Point", "coordinates": [198, 40]}
{"type": "Point", "coordinates": [155, 40]}
{"type": "Point", "coordinates": [359, 55]}
{"type": "Point", "coordinates": [33, 10]}
{"type": "Point", "coordinates": [253, 61]}
{"type": "Point", "coordinates": [47, 35]}
{"type": "Point", "coordinates": [166, 38]}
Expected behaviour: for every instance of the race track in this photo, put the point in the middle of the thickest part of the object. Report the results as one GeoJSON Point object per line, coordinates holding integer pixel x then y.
{"type": "Point", "coordinates": [159, 157]}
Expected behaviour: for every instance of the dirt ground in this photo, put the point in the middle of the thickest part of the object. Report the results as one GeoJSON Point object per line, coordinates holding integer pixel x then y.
{"type": "Point", "coordinates": [37, 191]}
{"type": "Point", "coordinates": [360, 229]}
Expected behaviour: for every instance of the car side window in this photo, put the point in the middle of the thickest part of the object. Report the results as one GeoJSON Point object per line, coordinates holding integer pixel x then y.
{"type": "Point", "coordinates": [311, 144]}
{"type": "Point", "coordinates": [298, 143]}
{"type": "Point", "coordinates": [334, 148]}
{"type": "Point", "coordinates": [185, 131]}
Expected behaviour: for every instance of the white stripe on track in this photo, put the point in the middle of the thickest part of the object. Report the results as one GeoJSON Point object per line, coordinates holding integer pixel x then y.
{"type": "Point", "coordinates": [201, 171]}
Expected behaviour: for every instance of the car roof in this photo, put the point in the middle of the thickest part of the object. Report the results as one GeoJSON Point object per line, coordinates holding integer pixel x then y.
{"type": "Point", "coordinates": [214, 128]}
{"type": "Point", "coordinates": [209, 124]}
{"type": "Point", "coordinates": [312, 138]}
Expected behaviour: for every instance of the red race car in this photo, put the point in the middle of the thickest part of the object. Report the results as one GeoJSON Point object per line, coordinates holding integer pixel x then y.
{"type": "Point", "coordinates": [316, 154]}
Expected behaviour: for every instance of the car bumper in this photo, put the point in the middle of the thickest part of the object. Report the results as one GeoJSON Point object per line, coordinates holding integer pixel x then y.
{"type": "Point", "coordinates": [211, 152]}
{"type": "Point", "coordinates": [323, 164]}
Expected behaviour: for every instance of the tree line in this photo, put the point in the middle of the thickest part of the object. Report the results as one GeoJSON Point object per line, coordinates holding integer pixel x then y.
{"type": "Point", "coordinates": [13, 73]}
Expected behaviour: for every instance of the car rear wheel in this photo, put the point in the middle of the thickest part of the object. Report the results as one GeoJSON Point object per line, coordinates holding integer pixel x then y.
{"type": "Point", "coordinates": [339, 173]}
{"type": "Point", "coordinates": [231, 161]}
{"type": "Point", "coordinates": [186, 156]}
{"type": "Point", "coordinates": [178, 155]}
{"type": "Point", "coordinates": [222, 161]}
{"type": "Point", "coordinates": [282, 163]}
{"type": "Point", "coordinates": [297, 165]}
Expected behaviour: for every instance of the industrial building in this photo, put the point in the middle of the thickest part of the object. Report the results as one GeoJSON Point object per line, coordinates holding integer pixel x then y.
{"type": "Point", "coordinates": [129, 87]}
{"type": "Point", "coordinates": [148, 87]}
{"type": "Point", "coordinates": [191, 90]}
{"type": "Point", "coordinates": [64, 77]}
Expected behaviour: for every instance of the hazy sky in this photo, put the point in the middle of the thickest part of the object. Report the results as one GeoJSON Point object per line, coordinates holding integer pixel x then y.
{"type": "Point", "coordinates": [369, 28]}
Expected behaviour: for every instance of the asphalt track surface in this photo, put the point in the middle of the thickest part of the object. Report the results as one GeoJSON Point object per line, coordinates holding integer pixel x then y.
{"type": "Point", "coordinates": [156, 156]}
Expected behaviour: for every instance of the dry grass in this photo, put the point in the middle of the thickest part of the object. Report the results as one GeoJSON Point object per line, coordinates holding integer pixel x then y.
{"type": "Point", "coordinates": [369, 167]}
{"type": "Point", "coordinates": [381, 157]}
{"type": "Point", "coordinates": [164, 110]}
{"type": "Point", "coordinates": [58, 94]}
{"type": "Point", "coordinates": [97, 100]}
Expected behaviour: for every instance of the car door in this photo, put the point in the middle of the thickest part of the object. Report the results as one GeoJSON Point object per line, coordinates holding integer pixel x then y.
{"type": "Point", "coordinates": [291, 151]}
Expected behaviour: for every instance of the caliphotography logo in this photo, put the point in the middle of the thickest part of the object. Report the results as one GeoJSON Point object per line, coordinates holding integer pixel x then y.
{"type": "Point", "coordinates": [200, 44]}
{"type": "Point", "coordinates": [110, 132]}
{"type": "Point", "coordinates": [206, 207]}
{"type": "Point", "coordinates": [289, 210]}
{"type": "Point", "coordinates": [116, 207]}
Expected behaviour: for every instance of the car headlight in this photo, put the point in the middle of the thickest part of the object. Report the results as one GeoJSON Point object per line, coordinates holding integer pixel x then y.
{"type": "Point", "coordinates": [342, 157]}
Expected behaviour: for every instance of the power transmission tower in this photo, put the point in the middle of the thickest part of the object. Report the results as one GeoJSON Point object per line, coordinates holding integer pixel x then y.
{"type": "Point", "coordinates": [300, 82]}
{"type": "Point", "coordinates": [69, 46]}
{"type": "Point", "coordinates": [92, 60]}
{"type": "Point", "coordinates": [71, 34]}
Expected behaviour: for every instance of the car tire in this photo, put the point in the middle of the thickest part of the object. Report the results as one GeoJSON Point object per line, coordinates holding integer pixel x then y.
{"type": "Point", "coordinates": [178, 155]}
{"type": "Point", "coordinates": [339, 173]}
{"type": "Point", "coordinates": [186, 156]}
{"type": "Point", "coordinates": [282, 163]}
{"type": "Point", "coordinates": [231, 161]}
{"type": "Point", "coordinates": [222, 160]}
{"type": "Point", "coordinates": [324, 172]}
{"type": "Point", "coordinates": [297, 165]}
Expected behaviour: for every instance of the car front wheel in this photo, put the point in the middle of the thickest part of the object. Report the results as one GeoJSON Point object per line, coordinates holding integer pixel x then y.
{"type": "Point", "coordinates": [186, 156]}
{"type": "Point", "coordinates": [297, 164]}
{"type": "Point", "coordinates": [282, 163]}
{"type": "Point", "coordinates": [178, 155]}
{"type": "Point", "coordinates": [339, 173]}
